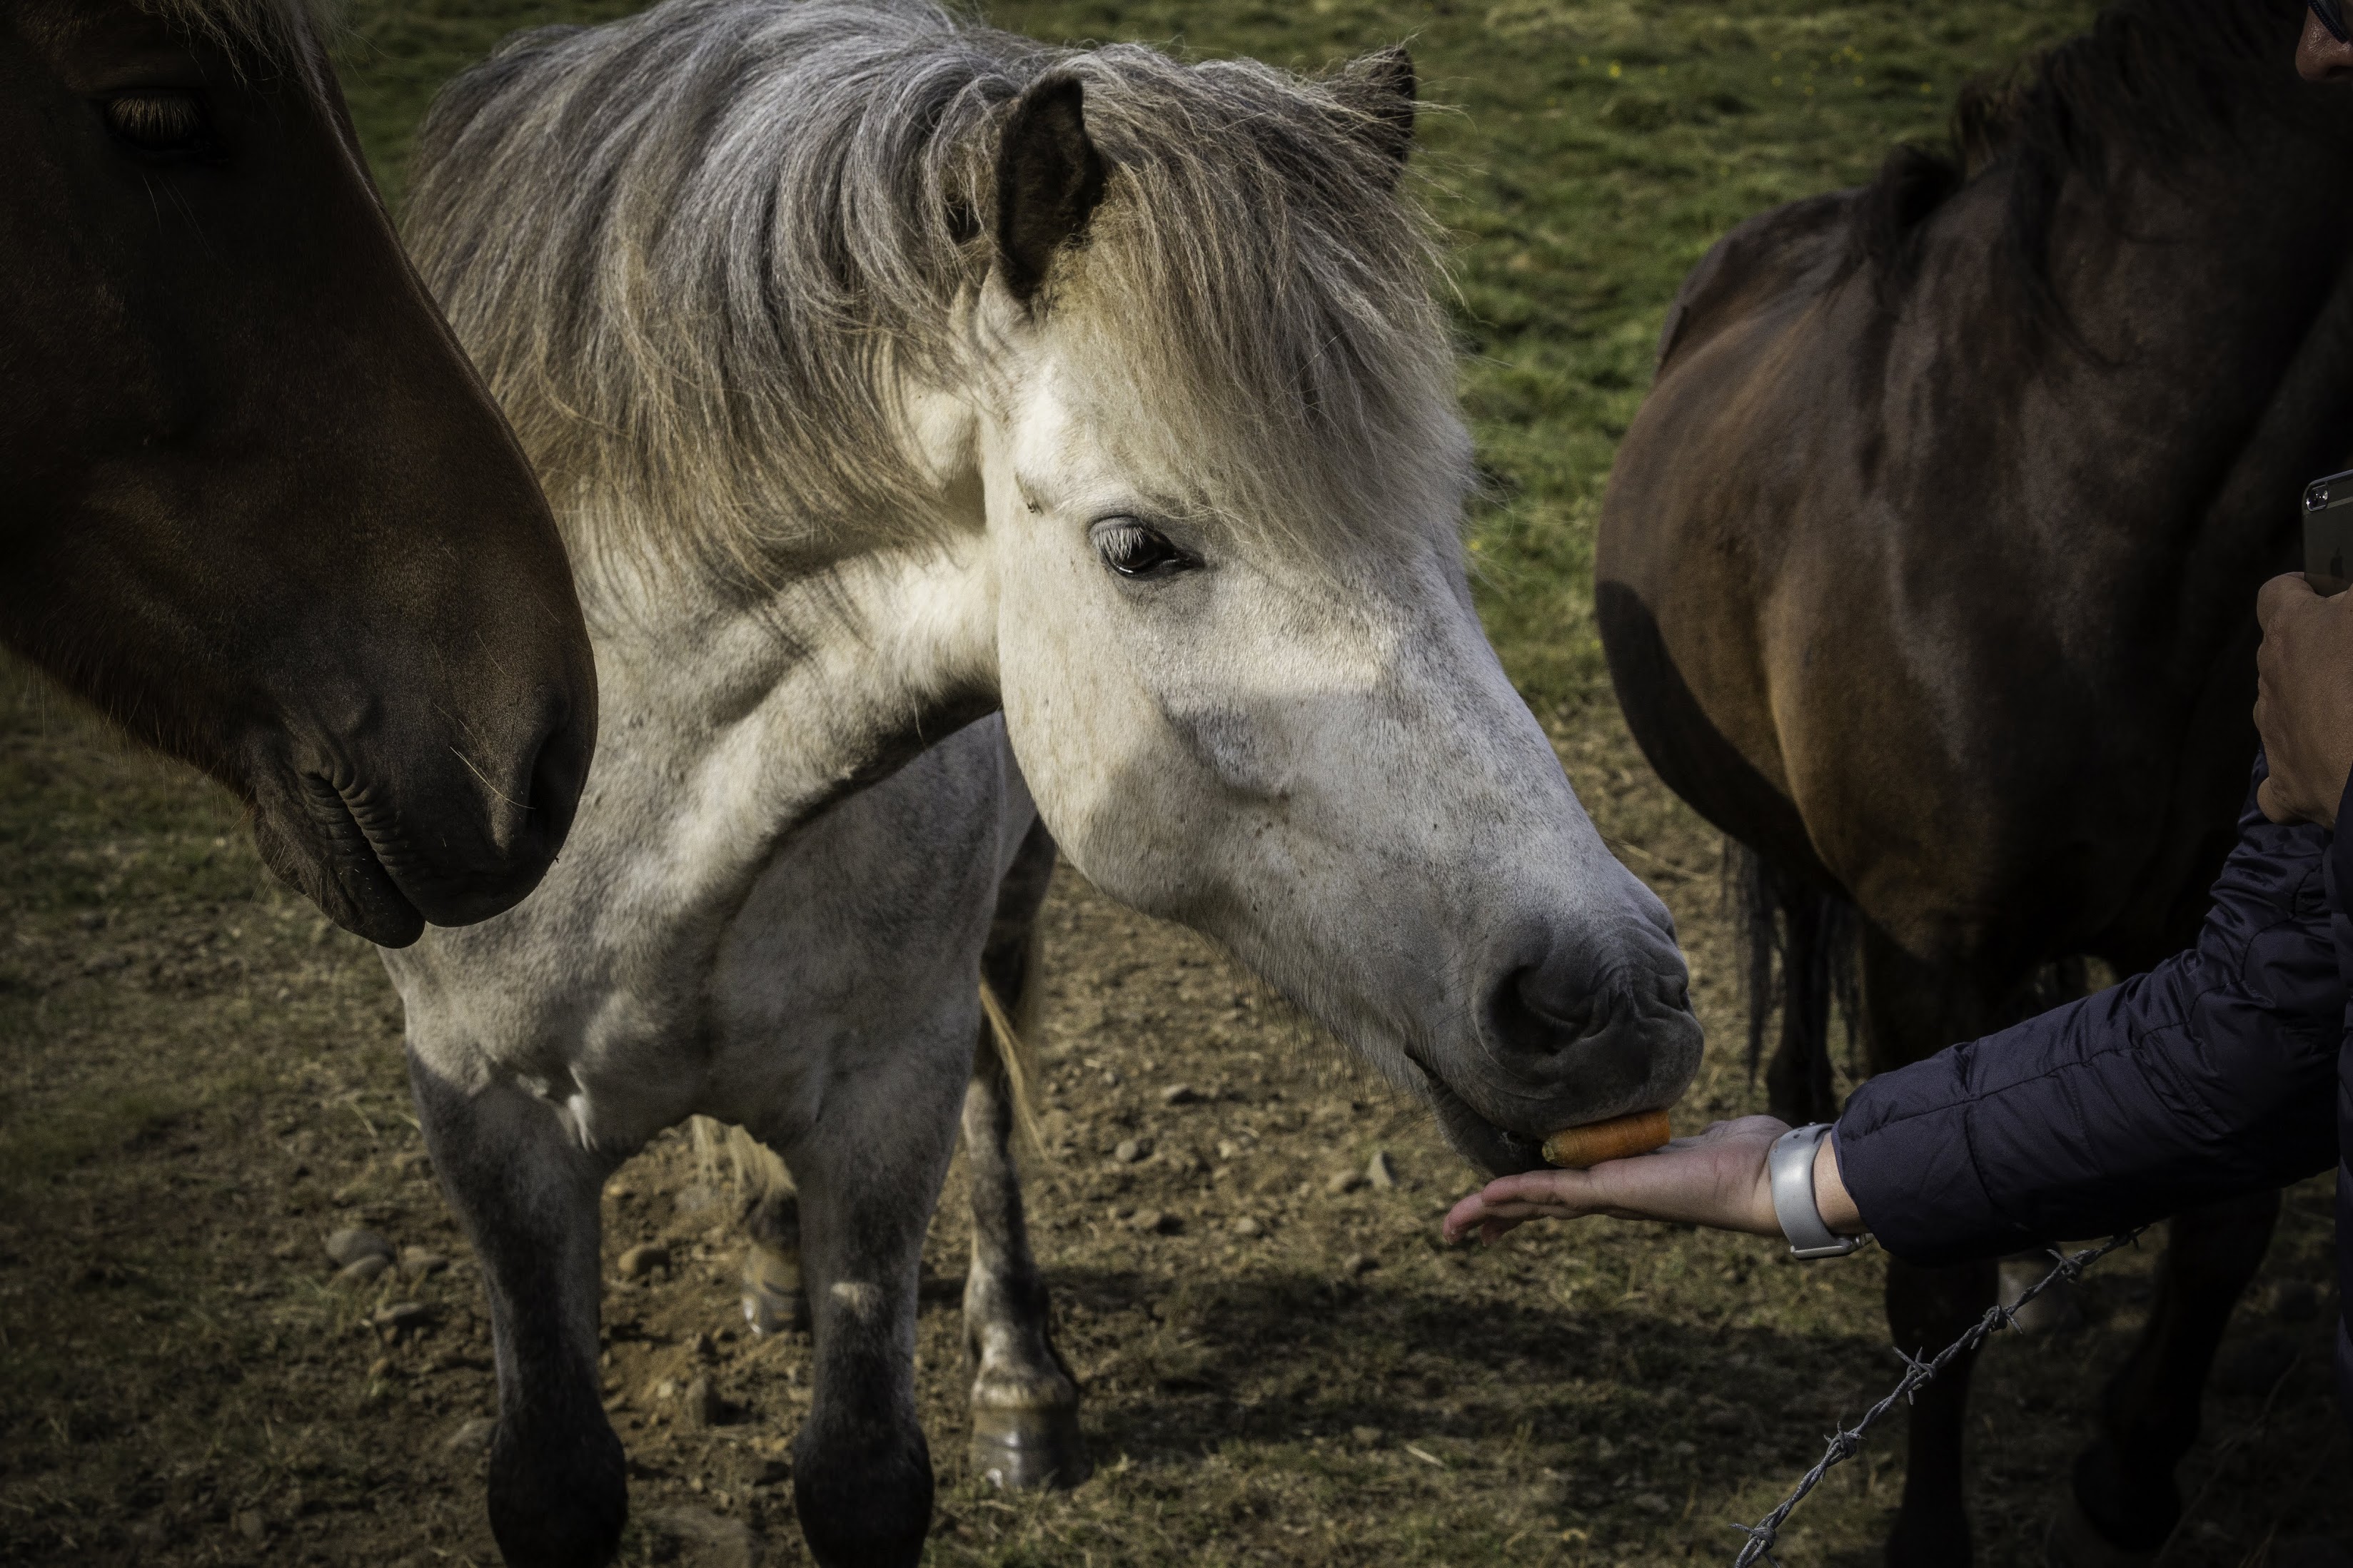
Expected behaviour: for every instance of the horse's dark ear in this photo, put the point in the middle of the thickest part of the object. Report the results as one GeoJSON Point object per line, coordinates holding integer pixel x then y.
{"type": "Point", "coordinates": [1380, 87]}
{"type": "Point", "coordinates": [1049, 179]}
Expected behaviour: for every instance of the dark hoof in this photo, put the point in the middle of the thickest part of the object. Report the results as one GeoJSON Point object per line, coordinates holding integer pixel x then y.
{"type": "Point", "coordinates": [2074, 1541]}
{"type": "Point", "coordinates": [773, 1298]}
{"type": "Point", "coordinates": [559, 1494]}
{"type": "Point", "coordinates": [1017, 1450]}
{"type": "Point", "coordinates": [862, 1505]}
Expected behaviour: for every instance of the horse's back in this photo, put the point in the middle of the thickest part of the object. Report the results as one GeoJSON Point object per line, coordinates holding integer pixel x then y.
{"type": "Point", "coordinates": [1670, 528]}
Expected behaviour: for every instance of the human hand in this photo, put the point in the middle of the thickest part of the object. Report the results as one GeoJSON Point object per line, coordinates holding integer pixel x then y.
{"type": "Point", "coordinates": [1716, 1179]}
{"type": "Point", "coordinates": [2304, 700]}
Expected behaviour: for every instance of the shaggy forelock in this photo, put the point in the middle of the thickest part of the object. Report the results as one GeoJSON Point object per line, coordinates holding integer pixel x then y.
{"type": "Point", "coordinates": [285, 31]}
{"type": "Point", "coordinates": [701, 253]}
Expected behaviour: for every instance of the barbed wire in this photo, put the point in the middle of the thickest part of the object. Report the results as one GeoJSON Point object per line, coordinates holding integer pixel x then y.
{"type": "Point", "coordinates": [1845, 1445]}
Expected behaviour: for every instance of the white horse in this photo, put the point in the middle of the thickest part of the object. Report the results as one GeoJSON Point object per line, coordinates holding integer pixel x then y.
{"type": "Point", "coordinates": [888, 372]}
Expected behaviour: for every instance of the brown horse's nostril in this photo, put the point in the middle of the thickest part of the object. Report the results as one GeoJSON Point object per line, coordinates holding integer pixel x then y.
{"type": "Point", "coordinates": [557, 775]}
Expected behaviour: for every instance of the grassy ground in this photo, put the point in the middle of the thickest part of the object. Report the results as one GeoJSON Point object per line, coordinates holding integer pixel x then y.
{"type": "Point", "coordinates": [198, 1080]}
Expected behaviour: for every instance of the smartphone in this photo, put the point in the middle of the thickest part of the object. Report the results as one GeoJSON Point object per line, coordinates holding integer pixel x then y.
{"type": "Point", "coordinates": [2328, 533]}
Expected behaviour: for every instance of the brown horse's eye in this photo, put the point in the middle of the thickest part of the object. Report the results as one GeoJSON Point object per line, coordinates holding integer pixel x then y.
{"type": "Point", "coordinates": [161, 120]}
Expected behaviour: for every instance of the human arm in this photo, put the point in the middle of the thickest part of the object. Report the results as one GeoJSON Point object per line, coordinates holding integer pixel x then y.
{"type": "Point", "coordinates": [2210, 1075]}
{"type": "Point", "coordinates": [1717, 1179]}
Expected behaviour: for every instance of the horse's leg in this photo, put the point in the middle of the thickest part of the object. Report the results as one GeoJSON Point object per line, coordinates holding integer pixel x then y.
{"type": "Point", "coordinates": [1024, 1403]}
{"type": "Point", "coordinates": [1798, 1085]}
{"type": "Point", "coordinates": [869, 1170]}
{"type": "Point", "coordinates": [526, 1193]}
{"type": "Point", "coordinates": [773, 1298]}
{"type": "Point", "coordinates": [2124, 1492]}
{"type": "Point", "coordinates": [1912, 1010]}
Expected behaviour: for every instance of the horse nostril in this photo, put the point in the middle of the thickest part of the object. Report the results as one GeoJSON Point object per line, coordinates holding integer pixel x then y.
{"type": "Point", "coordinates": [557, 775]}
{"type": "Point", "coordinates": [1674, 990]}
{"type": "Point", "coordinates": [1539, 1010]}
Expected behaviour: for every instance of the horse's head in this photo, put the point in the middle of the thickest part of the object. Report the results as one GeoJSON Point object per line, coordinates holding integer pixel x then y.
{"type": "Point", "coordinates": [261, 510]}
{"type": "Point", "coordinates": [1240, 663]}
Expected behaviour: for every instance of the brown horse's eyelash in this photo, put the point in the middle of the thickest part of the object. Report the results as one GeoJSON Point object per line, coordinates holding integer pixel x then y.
{"type": "Point", "coordinates": [160, 122]}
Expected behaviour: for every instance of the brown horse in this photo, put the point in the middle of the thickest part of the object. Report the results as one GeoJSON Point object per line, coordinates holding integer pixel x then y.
{"type": "Point", "coordinates": [258, 507]}
{"type": "Point", "coordinates": [1927, 573]}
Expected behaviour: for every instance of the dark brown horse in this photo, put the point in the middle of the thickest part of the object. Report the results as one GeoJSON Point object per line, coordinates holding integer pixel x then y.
{"type": "Point", "coordinates": [1927, 573]}
{"type": "Point", "coordinates": [257, 505]}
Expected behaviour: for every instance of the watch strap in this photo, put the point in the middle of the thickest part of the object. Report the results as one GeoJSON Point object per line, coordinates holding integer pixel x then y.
{"type": "Point", "coordinates": [1789, 1167]}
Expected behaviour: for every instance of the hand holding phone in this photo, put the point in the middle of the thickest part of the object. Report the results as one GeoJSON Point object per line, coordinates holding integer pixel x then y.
{"type": "Point", "coordinates": [2328, 533]}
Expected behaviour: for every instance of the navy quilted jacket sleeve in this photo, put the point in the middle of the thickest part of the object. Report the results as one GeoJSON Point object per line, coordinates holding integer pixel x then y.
{"type": "Point", "coordinates": [2213, 1075]}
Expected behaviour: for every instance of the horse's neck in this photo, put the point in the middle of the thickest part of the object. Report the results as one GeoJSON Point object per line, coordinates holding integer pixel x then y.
{"type": "Point", "coordinates": [723, 725]}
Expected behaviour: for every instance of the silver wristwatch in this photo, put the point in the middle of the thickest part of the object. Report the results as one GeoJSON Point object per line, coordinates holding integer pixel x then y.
{"type": "Point", "coordinates": [1790, 1168]}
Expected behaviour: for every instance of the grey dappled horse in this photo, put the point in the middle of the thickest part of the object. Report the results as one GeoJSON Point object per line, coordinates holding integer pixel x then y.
{"type": "Point", "coordinates": [889, 375]}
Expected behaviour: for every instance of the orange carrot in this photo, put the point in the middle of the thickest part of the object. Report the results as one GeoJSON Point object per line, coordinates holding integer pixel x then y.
{"type": "Point", "coordinates": [1581, 1148]}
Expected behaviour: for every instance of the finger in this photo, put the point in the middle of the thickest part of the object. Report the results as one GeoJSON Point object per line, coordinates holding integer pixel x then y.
{"type": "Point", "coordinates": [2279, 594]}
{"type": "Point", "coordinates": [1461, 1217]}
{"type": "Point", "coordinates": [2272, 801]}
{"type": "Point", "coordinates": [1494, 1230]}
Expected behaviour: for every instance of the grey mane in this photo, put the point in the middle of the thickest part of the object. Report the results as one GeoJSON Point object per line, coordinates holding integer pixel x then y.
{"type": "Point", "coordinates": [699, 252]}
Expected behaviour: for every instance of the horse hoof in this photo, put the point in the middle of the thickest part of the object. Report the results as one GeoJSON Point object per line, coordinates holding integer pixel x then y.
{"type": "Point", "coordinates": [1019, 1450]}
{"type": "Point", "coordinates": [2074, 1541]}
{"type": "Point", "coordinates": [773, 1298]}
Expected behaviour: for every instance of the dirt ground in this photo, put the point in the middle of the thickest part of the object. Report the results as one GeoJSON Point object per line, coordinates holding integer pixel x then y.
{"type": "Point", "coordinates": [199, 1082]}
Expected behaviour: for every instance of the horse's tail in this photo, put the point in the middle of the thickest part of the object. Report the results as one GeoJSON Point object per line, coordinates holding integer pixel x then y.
{"type": "Point", "coordinates": [1799, 957]}
{"type": "Point", "coordinates": [1012, 992]}
{"type": "Point", "coordinates": [759, 1171]}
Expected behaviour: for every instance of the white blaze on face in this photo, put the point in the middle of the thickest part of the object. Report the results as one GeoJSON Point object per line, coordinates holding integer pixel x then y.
{"type": "Point", "coordinates": [1297, 741]}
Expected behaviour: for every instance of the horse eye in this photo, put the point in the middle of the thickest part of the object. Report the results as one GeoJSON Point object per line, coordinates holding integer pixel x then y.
{"type": "Point", "coordinates": [1132, 550]}
{"type": "Point", "coordinates": [161, 122]}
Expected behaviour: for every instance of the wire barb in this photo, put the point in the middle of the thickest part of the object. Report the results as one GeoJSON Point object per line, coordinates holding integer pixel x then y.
{"type": "Point", "coordinates": [1845, 1445]}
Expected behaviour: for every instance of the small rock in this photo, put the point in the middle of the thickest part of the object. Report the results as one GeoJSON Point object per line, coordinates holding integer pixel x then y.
{"type": "Point", "coordinates": [1247, 1227]}
{"type": "Point", "coordinates": [472, 1435]}
{"type": "Point", "coordinates": [347, 1247]}
{"type": "Point", "coordinates": [391, 1320]}
{"type": "Point", "coordinates": [1151, 1221]}
{"type": "Point", "coordinates": [1128, 1151]}
{"type": "Point", "coordinates": [252, 1525]}
{"type": "Point", "coordinates": [1179, 1094]}
{"type": "Point", "coordinates": [1365, 1437]}
{"type": "Point", "coordinates": [702, 1405]}
{"type": "Point", "coordinates": [1652, 1502]}
{"type": "Point", "coordinates": [697, 1198]}
{"type": "Point", "coordinates": [2296, 1302]}
{"type": "Point", "coordinates": [640, 1261]}
{"type": "Point", "coordinates": [1227, 1149]}
{"type": "Point", "coordinates": [1381, 1172]}
{"type": "Point", "coordinates": [724, 1542]}
{"type": "Point", "coordinates": [379, 1369]}
{"type": "Point", "coordinates": [767, 1472]}
{"type": "Point", "coordinates": [1343, 1182]}
{"type": "Point", "coordinates": [666, 1389]}
{"type": "Point", "coordinates": [362, 1270]}
{"type": "Point", "coordinates": [1357, 1263]}
{"type": "Point", "coordinates": [1721, 1418]}
{"type": "Point", "coordinates": [417, 1263]}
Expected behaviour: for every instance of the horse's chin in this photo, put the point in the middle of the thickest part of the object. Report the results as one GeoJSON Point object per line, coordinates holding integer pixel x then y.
{"type": "Point", "coordinates": [1495, 1150]}
{"type": "Point", "coordinates": [335, 867]}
